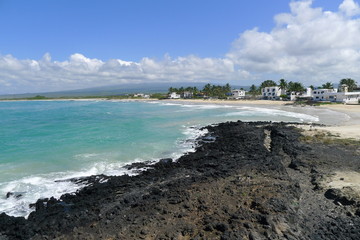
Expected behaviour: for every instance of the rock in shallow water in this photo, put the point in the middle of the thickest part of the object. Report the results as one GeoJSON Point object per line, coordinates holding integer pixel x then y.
{"type": "Point", "coordinates": [16, 195]}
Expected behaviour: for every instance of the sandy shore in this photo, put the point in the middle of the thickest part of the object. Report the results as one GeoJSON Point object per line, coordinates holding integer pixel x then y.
{"type": "Point", "coordinates": [351, 128]}
{"type": "Point", "coordinates": [233, 102]}
{"type": "Point", "coordinates": [347, 129]}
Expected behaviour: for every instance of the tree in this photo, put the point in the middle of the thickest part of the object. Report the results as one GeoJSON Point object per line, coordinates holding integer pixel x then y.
{"type": "Point", "coordinates": [268, 83]}
{"type": "Point", "coordinates": [351, 83]}
{"type": "Point", "coordinates": [295, 87]}
{"type": "Point", "coordinates": [312, 87]}
{"type": "Point", "coordinates": [328, 85]}
{"type": "Point", "coordinates": [227, 88]}
{"type": "Point", "coordinates": [207, 89]}
{"type": "Point", "coordinates": [283, 84]}
{"type": "Point", "coordinates": [254, 90]}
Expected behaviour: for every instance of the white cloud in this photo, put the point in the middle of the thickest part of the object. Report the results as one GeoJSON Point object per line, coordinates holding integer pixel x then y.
{"type": "Point", "coordinates": [307, 44]}
{"type": "Point", "coordinates": [82, 72]}
{"type": "Point", "coordinates": [350, 8]}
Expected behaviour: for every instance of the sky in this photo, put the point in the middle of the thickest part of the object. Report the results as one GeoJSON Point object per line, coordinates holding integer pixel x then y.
{"type": "Point", "coordinates": [55, 45]}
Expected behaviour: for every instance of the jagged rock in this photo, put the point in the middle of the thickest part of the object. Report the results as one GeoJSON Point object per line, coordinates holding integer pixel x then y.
{"type": "Point", "coordinates": [231, 188]}
{"type": "Point", "coordinates": [16, 195]}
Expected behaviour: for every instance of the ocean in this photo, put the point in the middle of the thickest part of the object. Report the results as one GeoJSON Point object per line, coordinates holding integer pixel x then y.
{"type": "Point", "coordinates": [45, 141]}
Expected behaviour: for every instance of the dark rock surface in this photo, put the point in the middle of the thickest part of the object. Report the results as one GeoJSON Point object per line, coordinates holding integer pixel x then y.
{"type": "Point", "coordinates": [232, 187]}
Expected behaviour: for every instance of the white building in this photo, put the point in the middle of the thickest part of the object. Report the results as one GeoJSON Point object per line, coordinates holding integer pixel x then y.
{"type": "Point", "coordinates": [237, 93]}
{"type": "Point", "coordinates": [174, 95]}
{"type": "Point", "coordinates": [333, 95]}
{"type": "Point", "coordinates": [324, 94]}
{"type": "Point", "coordinates": [272, 93]}
{"type": "Point", "coordinates": [188, 94]}
{"type": "Point", "coordinates": [139, 95]}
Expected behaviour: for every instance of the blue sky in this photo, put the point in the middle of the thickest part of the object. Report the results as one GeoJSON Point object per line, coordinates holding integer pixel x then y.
{"type": "Point", "coordinates": [89, 34]}
{"type": "Point", "coordinates": [132, 29]}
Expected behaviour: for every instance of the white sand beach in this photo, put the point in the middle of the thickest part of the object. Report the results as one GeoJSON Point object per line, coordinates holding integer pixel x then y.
{"type": "Point", "coordinates": [347, 129]}
{"type": "Point", "coordinates": [350, 128]}
{"type": "Point", "coordinates": [233, 102]}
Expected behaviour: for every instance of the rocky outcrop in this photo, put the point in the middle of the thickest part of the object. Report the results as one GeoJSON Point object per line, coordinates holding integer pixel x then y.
{"type": "Point", "coordinates": [245, 181]}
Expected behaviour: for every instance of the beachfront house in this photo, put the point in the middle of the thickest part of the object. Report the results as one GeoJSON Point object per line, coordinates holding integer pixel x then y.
{"type": "Point", "coordinates": [138, 95]}
{"type": "Point", "coordinates": [333, 95]}
{"type": "Point", "coordinates": [307, 95]}
{"type": "Point", "coordinates": [174, 95]}
{"type": "Point", "coordinates": [188, 94]}
{"type": "Point", "coordinates": [237, 93]}
{"type": "Point", "coordinates": [272, 93]}
{"type": "Point", "coordinates": [324, 94]}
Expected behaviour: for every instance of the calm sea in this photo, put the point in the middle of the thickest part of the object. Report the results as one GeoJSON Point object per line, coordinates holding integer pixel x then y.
{"type": "Point", "coordinates": [44, 141]}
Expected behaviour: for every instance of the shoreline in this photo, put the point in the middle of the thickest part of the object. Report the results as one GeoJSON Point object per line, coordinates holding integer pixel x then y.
{"type": "Point", "coordinates": [346, 129]}
{"type": "Point", "coordinates": [350, 128]}
{"type": "Point", "coordinates": [342, 128]}
{"type": "Point", "coordinates": [256, 179]}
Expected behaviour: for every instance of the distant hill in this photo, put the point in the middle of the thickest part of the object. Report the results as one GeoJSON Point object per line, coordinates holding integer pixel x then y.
{"type": "Point", "coordinates": [114, 90]}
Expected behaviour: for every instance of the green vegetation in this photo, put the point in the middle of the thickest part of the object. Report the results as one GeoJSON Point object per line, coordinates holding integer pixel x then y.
{"type": "Point", "coordinates": [268, 83]}
{"type": "Point", "coordinates": [181, 90]}
{"type": "Point", "coordinates": [295, 87]}
{"type": "Point", "coordinates": [209, 90]}
{"type": "Point", "coordinates": [328, 85]}
{"type": "Point", "coordinates": [329, 138]}
{"type": "Point", "coordinates": [159, 96]}
{"type": "Point", "coordinates": [254, 90]}
{"type": "Point", "coordinates": [283, 84]}
{"type": "Point", "coordinates": [351, 83]}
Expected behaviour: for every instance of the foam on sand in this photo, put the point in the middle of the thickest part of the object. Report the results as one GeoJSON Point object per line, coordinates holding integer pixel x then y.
{"type": "Point", "coordinates": [256, 111]}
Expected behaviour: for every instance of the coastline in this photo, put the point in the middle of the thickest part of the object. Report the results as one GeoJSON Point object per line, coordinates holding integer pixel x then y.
{"type": "Point", "coordinates": [255, 180]}
{"type": "Point", "coordinates": [346, 129]}
{"type": "Point", "coordinates": [350, 128]}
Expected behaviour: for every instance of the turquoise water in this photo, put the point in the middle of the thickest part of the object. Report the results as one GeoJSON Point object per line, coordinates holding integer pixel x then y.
{"type": "Point", "coordinates": [43, 141]}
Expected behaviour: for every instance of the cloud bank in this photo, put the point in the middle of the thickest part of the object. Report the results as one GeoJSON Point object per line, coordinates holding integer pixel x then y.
{"type": "Point", "coordinates": [307, 44]}
{"type": "Point", "coordinates": [82, 72]}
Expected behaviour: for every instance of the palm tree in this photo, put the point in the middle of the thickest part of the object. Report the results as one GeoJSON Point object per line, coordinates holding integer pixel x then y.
{"type": "Point", "coordinates": [227, 88]}
{"type": "Point", "coordinates": [351, 83]}
{"type": "Point", "coordinates": [268, 83]}
{"type": "Point", "coordinates": [328, 85]}
{"type": "Point", "coordinates": [207, 89]}
{"type": "Point", "coordinates": [253, 90]}
{"type": "Point", "coordinates": [295, 87]}
{"type": "Point", "coordinates": [283, 84]}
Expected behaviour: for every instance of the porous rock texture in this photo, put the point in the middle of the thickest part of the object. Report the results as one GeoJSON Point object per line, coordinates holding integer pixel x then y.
{"type": "Point", "coordinates": [255, 181]}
